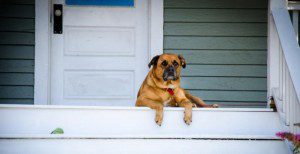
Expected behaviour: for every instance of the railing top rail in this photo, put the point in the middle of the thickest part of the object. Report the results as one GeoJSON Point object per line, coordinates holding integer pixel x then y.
{"type": "Point", "coordinates": [293, 5]}
{"type": "Point", "coordinates": [289, 44]}
{"type": "Point", "coordinates": [71, 107]}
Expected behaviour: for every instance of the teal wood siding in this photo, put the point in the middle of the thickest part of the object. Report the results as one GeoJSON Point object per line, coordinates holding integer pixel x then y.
{"type": "Point", "coordinates": [225, 45]}
{"type": "Point", "coordinates": [17, 18]}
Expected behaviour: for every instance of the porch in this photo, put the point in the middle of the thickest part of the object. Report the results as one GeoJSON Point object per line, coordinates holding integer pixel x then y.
{"type": "Point", "coordinates": [243, 55]}
{"type": "Point", "coordinates": [225, 49]}
{"type": "Point", "coordinates": [133, 130]}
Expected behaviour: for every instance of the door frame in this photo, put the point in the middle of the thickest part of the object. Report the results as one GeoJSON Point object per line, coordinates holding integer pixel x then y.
{"type": "Point", "coordinates": [43, 33]}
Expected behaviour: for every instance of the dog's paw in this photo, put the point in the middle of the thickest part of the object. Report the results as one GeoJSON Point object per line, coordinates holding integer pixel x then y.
{"type": "Point", "coordinates": [195, 105]}
{"type": "Point", "coordinates": [188, 121]}
{"type": "Point", "coordinates": [158, 120]}
{"type": "Point", "coordinates": [215, 106]}
{"type": "Point", "coordinates": [212, 106]}
{"type": "Point", "coordinates": [188, 118]}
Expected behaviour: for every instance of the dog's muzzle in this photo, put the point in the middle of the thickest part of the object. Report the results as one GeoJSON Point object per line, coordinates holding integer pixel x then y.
{"type": "Point", "coordinates": [169, 74]}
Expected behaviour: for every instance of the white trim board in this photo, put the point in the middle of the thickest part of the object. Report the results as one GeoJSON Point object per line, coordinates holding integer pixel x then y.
{"type": "Point", "coordinates": [157, 146]}
{"type": "Point", "coordinates": [42, 44]}
{"type": "Point", "coordinates": [135, 122]}
{"type": "Point", "coordinates": [42, 52]}
{"type": "Point", "coordinates": [67, 107]}
{"type": "Point", "coordinates": [156, 27]}
{"type": "Point", "coordinates": [78, 136]}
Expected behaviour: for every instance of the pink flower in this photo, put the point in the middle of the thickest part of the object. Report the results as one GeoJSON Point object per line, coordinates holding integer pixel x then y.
{"type": "Point", "coordinates": [297, 137]}
{"type": "Point", "coordinates": [289, 136]}
{"type": "Point", "coordinates": [282, 135]}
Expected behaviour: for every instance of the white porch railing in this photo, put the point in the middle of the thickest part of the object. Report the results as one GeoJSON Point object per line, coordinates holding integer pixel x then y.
{"type": "Point", "coordinates": [294, 7]}
{"type": "Point", "coordinates": [284, 61]}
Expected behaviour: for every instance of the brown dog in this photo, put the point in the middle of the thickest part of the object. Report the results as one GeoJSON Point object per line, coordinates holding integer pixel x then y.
{"type": "Point", "coordinates": [162, 88]}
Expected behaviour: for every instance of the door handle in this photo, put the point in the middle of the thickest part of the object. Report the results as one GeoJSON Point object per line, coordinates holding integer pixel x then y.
{"type": "Point", "coordinates": [58, 18]}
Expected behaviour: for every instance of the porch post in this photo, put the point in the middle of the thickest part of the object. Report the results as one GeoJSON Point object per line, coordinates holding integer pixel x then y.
{"type": "Point", "coordinates": [42, 52]}
{"type": "Point", "coordinates": [156, 27]}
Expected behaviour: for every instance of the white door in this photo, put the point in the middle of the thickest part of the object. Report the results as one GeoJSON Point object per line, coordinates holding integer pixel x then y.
{"type": "Point", "coordinates": [101, 57]}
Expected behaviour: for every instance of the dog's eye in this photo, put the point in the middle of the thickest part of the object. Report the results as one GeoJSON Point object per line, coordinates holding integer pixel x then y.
{"type": "Point", "coordinates": [175, 63]}
{"type": "Point", "coordinates": [164, 63]}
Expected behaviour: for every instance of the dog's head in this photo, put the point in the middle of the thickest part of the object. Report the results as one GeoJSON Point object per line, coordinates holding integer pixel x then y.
{"type": "Point", "coordinates": [167, 66]}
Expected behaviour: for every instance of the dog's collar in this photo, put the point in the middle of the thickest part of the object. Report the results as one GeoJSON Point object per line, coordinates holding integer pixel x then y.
{"type": "Point", "coordinates": [170, 91]}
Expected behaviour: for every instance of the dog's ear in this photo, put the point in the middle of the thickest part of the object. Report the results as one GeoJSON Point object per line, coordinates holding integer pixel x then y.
{"type": "Point", "coordinates": [153, 61]}
{"type": "Point", "coordinates": [182, 61]}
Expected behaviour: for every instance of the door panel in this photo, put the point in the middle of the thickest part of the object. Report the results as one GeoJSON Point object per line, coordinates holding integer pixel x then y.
{"type": "Point", "coordinates": [101, 57]}
{"type": "Point", "coordinates": [88, 84]}
{"type": "Point", "coordinates": [102, 37]}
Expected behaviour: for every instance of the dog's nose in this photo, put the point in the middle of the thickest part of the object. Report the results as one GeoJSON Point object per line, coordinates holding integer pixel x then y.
{"type": "Point", "coordinates": [169, 73]}
{"type": "Point", "coordinates": [171, 69]}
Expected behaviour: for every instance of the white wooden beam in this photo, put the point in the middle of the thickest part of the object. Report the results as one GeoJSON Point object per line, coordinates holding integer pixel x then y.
{"type": "Point", "coordinates": [132, 146]}
{"type": "Point", "coordinates": [156, 11]}
{"type": "Point", "coordinates": [273, 76]}
{"type": "Point", "coordinates": [294, 5]}
{"type": "Point", "coordinates": [42, 52]}
{"type": "Point", "coordinates": [289, 45]}
{"type": "Point", "coordinates": [118, 122]}
{"type": "Point", "coordinates": [295, 22]}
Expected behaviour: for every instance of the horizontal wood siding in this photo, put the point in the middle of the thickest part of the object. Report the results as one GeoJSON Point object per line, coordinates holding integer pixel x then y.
{"type": "Point", "coordinates": [240, 56]}
{"type": "Point", "coordinates": [225, 70]}
{"type": "Point", "coordinates": [224, 4]}
{"type": "Point", "coordinates": [223, 83]}
{"type": "Point", "coordinates": [17, 22]}
{"type": "Point", "coordinates": [225, 46]}
{"type": "Point", "coordinates": [215, 15]}
{"type": "Point", "coordinates": [215, 29]}
{"type": "Point", "coordinates": [221, 43]}
{"type": "Point", "coordinates": [17, 10]}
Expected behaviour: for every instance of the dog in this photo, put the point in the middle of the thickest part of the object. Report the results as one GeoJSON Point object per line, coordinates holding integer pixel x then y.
{"type": "Point", "coordinates": [161, 88]}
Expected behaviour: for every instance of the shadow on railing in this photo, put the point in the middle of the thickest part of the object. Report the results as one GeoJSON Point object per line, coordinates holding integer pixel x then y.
{"type": "Point", "coordinates": [294, 8]}
{"type": "Point", "coordinates": [285, 86]}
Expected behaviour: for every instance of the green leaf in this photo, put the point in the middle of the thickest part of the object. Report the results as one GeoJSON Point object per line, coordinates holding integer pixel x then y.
{"type": "Point", "coordinates": [58, 131]}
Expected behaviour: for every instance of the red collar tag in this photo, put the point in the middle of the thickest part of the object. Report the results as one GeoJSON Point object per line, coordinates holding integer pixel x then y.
{"type": "Point", "coordinates": [170, 91]}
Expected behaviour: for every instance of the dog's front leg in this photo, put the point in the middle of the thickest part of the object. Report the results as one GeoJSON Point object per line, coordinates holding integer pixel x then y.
{"type": "Point", "coordinates": [187, 110]}
{"type": "Point", "coordinates": [153, 105]}
{"type": "Point", "coordinates": [182, 101]}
